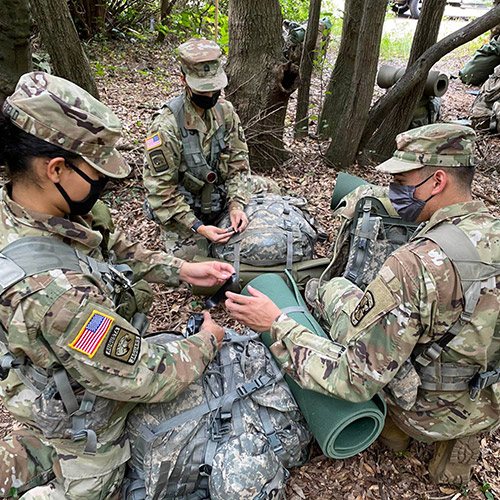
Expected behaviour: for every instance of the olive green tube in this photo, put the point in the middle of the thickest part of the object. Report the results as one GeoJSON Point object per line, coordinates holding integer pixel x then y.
{"type": "Point", "coordinates": [341, 428]}
{"type": "Point", "coordinates": [344, 184]}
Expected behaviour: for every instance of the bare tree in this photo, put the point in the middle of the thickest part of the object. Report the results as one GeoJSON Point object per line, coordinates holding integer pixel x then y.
{"type": "Point", "coordinates": [306, 67]}
{"type": "Point", "coordinates": [260, 79]}
{"type": "Point", "coordinates": [62, 43]}
{"type": "Point", "coordinates": [419, 69]}
{"type": "Point", "coordinates": [350, 89]}
{"type": "Point", "coordinates": [15, 52]}
{"type": "Point", "coordinates": [399, 118]}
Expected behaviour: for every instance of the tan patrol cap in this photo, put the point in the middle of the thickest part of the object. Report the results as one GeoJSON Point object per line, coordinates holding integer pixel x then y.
{"type": "Point", "coordinates": [63, 114]}
{"type": "Point", "coordinates": [200, 61]}
{"type": "Point", "coordinates": [436, 145]}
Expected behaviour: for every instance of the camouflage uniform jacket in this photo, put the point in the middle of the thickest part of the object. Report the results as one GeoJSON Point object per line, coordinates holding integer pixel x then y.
{"type": "Point", "coordinates": [170, 205]}
{"type": "Point", "coordinates": [45, 314]}
{"type": "Point", "coordinates": [414, 300]}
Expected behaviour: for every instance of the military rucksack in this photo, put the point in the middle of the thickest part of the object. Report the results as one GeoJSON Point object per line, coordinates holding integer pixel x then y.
{"type": "Point", "coordinates": [370, 231]}
{"type": "Point", "coordinates": [481, 65]}
{"type": "Point", "coordinates": [230, 435]}
{"type": "Point", "coordinates": [279, 231]}
{"type": "Point", "coordinates": [484, 114]}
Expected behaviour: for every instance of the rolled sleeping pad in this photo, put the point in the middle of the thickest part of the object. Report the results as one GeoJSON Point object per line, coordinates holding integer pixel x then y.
{"type": "Point", "coordinates": [344, 184]}
{"type": "Point", "coordinates": [435, 85]}
{"type": "Point", "coordinates": [341, 428]}
{"type": "Point", "coordinates": [302, 272]}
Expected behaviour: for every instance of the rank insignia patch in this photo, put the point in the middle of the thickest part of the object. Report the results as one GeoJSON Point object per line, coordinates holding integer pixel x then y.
{"type": "Point", "coordinates": [92, 334]}
{"type": "Point", "coordinates": [153, 142]}
{"type": "Point", "coordinates": [365, 305]}
{"type": "Point", "coordinates": [123, 345]}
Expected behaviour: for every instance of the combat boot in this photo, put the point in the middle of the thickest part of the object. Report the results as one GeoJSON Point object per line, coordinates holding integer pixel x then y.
{"type": "Point", "coordinates": [393, 437]}
{"type": "Point", "coordinates": [453, 460]}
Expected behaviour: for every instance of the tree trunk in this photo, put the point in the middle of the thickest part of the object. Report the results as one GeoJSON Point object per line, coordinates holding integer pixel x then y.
{"type": "Point", "coordinates": [306, 66]}
{"type": "Point", "coordinates": [421, 67]}
{"type": "Point", "coordinates": [15, 51]}
{"type": "Point", "coordinates": [383, 142]}
{"type": "Point", "coordinates": [260, 80]}
{"type": "Point", "coordinates": [166, 8]}
{"type": "Point", "coordinates": [62, 43]}
{"type": "Point", "coordinates": [496, 29]}
{"type": "Point", "coordinates": [350, 89]}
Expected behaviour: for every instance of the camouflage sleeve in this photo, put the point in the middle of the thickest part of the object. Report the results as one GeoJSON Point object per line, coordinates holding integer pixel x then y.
{"type": "Point", "coordinates": [161, 171]}
{"type": "Point", "coordinates": [372, 334]}
{"type": "Point", "coordinates": [152, 266]}
{"type": "Point", "coordinates": [236, 157]}
{"type": "Point", "coordinates": [106, 355]}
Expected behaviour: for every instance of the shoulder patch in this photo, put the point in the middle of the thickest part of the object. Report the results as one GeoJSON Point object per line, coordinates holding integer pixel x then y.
{"type": "Point", "coordinates": [158, 161]}
{"type": "Point", "coordinates": [153, 142]}
{"type": "Point", "coordinates": [123, 345]}
{"type": "Point", "coordinates": [365, 305]}
{"type": "Point", "coordinates": [92, 334]}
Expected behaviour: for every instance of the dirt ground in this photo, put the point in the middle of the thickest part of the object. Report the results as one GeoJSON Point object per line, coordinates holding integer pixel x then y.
{"type": "Point", "coordinates": [136, 78]}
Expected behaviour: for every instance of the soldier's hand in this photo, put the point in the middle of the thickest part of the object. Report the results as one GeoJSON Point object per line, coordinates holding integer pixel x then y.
{"type": "Point", "coordinates": [205, 273]}
{"type": "Point", "coordinates": [239, 220]}
{"type": "Point", "coordinates": [215, 234]}
{"type": "Point", "coordinates": [210, 325]}
{"type": "Point", "coordinates": [257, 311]}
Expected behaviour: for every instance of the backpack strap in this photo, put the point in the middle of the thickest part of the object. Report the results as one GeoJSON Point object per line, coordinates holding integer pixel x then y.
{"type": "Point", "coordinates": [471, 271]}
{"type": "Point", "coordinates": [191, 147]}
{"type": "Point", "coordinates": [17, 262]}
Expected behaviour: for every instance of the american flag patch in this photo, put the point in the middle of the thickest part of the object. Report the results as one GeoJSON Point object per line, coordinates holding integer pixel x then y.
{"type": "Point", "coordinates": [92, 334]}
{"type": "Point", "coordinates": [153, 142]}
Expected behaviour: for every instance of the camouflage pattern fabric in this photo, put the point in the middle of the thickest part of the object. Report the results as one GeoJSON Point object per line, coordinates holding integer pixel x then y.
{"type": "Point", "coordinates": [246, 462]}
{"type": "Point", "coordinates": [482, 107]}
{"type": "Point", "coordinates": [413, 301]}
{"type": "Point", "coordinates": [436, 145]}
{"type": "Point", "coordinates": [184, 244]}
{"type": "Point", "coordinates": [264, 242]}
{"type": "Point", "coordinates": [61, 113]}
{"type": "Point", "coordinates": [201, 63]}
{"type": "Point", "coordinates": [161, 178]}
{"type": "Point", "coordinates": [48, 318]}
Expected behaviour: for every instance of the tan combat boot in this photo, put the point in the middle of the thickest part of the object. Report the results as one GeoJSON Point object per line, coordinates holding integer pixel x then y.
{"type": "Point", "coordinates": [453, 460]}
{"type": "Point", "coordinates": [393, 437]}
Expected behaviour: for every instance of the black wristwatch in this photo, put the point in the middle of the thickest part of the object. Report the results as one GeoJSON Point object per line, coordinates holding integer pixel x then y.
{"type": "Point", "coordinates": [196, 225]}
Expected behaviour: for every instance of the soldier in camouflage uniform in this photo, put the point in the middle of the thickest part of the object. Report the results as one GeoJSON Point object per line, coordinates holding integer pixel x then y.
{"type": "Point", "coordinates": [188, 191]}
{"type": "Point", "coordinates": [62, 325]}
{"type": "Point", "coordinates": [376, 336]}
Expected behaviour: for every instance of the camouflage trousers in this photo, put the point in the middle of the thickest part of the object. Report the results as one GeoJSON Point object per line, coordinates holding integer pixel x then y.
{"type": "Point", "coordinates": [182, 243]}
{"type": "Point", "coordinates": [33, 469]}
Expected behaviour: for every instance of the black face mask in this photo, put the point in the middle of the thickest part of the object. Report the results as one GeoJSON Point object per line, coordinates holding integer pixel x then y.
{"type": "Point", "coordinates": [84, 206]}
{"type": "Point", "coordinates": [205, 101]}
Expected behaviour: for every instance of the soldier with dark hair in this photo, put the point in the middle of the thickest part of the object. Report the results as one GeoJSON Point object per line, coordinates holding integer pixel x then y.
{"type": "Point", "coordinates": [73, 296]}
{"type": "Point", "coordinates": [197, 159]}
{"type": "Point", "coordinates": [425, 329]}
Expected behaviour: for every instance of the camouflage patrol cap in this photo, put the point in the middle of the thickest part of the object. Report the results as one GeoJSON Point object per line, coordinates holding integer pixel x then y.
{"type": "Point", "coordinates": [436, 145]}
{"type": "Point", "coordinates": [61, 113]}
{"type": "Point", "coordinates": [200, 61]}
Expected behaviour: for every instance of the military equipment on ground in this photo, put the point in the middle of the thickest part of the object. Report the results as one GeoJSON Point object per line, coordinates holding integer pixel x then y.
{"type": "Point", "coordinates": [485, 108]}
{"type": "Point", "coordinates": [435, 85]}
{"type": "Point", "coordinates": [340, 427]}
{"type": "Point", "coordinates": [482, 64]}
{"type": "Point", "coordinates": [231, 435]}
{"type": "Point", "coordinates": [279, 231]}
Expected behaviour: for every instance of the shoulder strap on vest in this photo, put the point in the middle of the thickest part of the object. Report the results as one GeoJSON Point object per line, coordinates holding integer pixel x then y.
{"type": "Point", "coordinates": [471, 271]}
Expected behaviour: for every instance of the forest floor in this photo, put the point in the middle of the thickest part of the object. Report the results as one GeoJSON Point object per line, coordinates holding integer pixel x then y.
{"type": "Point", "coordinates": [135, 77]}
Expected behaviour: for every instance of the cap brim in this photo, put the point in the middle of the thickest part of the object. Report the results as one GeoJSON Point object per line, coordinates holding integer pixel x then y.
{"type": "Point", "coordinates": [207, 84]}
{"type": "Point", "coordinates": [113, 166]}
{"type": "Point", "coordinates": [397, 166]}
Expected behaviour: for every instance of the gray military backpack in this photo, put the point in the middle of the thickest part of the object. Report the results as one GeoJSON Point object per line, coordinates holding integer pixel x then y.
{"type": "Point", "coordinates": [279, 231]}
{"type": "Point", "coordinates": [230, 435]}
